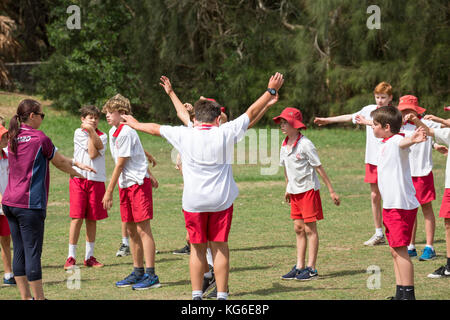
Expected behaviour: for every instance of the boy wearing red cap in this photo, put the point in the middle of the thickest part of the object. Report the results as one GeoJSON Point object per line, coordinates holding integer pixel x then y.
{"type": "Point", "coordinates": [383, 97]}
{"type": "Point", "coordinates": [421, 163]}
{"type": "Point", "coordinates": [300, 160]}
{"type": "Point", "coordinates": [5, 233]}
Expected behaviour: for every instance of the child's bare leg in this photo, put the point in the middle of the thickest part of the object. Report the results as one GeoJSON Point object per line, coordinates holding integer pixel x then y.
{"type": "Point", "coordinates": [5, 243]}
{"type": "Point", "coordinates": [74, 232]}
{"type": "Point", "coordinates": [37, 289]}
{"type": "Point", "coordinates": [447, 235]}
{"type": "Point", "coordinates": [313, 243]}
{"type": "Point", "coordinates": [300, 234]}
{"type": "Point", "coordinates": [148, 243]}
{"type": "Point", "coordinates": [197, 262]}
{"type": "Point", "coordinates": [135, 245]}
{"type": "Point", "coordinates": [124, 230]}
{"type": "Point", "coordinates": [398, 279]}
{"type": "Point", "coordinates": [405, 266]}
{"type": "Point", "coordinates": [430, 222]}
{"type": "Point", "coordinates": [221, 257]}
{"type": "Point", "coordinates": [375, 199]}
{"type": "Point", "coordinates": [24, 287]}
{"type": "Point", "coordinates": [91, 230]}
{"type": "Point", "coordinates": [413, 235]}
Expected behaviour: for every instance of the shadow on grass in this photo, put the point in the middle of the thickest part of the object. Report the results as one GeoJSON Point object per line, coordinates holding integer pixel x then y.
{"type": "Point", "coordinates": [434, 242]}
{"type": "Point", "coordinates": [249, 268]}
{"type": "Point", "coordinates": [176, 283]}
{"type": "Point", "coordinates": [342, 273]}
{"type": "Point", "coordinates": [262, 248]}
{"type": "Point", "coordinates": [279, 288]}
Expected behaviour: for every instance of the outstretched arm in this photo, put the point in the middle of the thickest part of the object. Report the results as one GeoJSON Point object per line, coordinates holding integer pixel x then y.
{"type": "Point", "coordinates": [271, 102]}
{"type": "Point", "coordinates": [182, 113]}
{"type": "Point", "coordinates": [65, 164]}
{"type": "Point", "coordinates": [418, 136]}
{"type": "Point", "coordinates": [330, 120]}
{"type": "Point", "coordinates": [150, 128]}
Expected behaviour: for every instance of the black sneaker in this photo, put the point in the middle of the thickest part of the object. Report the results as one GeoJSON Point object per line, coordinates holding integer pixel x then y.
{"type": "Point", "coordinates": [185, 250]}
{"type": "Point", "coordinates": [197, 298]}
{"type": "Point", "coordinates": [213, 293]}
{"type": "Point", "coordinates": [292, 274]}
{"type": "Point", "coordinates": [443, 271]}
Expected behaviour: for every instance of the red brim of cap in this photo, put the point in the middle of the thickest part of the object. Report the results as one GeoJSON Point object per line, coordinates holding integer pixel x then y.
{"type": "Point", "coordinates": [417, 109]}
{"type": "Point", "coordinates": [294, 123]}
{"type": "Point", "coordinates": [447, 108]}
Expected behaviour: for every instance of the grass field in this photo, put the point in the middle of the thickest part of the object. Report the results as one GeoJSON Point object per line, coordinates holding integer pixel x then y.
{"type": "Point", "coordinates": [262, 241]}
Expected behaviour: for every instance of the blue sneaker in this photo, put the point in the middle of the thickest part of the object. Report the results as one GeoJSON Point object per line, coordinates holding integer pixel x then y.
{"type": "Point", "coordinates": [412, 253]}
{"type": "Point", "coordinates": [129, 281]}
{"type": "Point", "coordinates": [292, 274]}
{"type": "Point", "coordinates": [147, 282]}
{"type": "Point", "coordinates": [428, 254]}
{"type": "Point", "coordinates": [9, 282]}
{"type": "Point", "coordinates": [307, 274]}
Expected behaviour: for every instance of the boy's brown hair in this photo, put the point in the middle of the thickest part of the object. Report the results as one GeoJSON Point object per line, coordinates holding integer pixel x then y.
{"type": "Point", "coordinates": [388, 115]}
{"type": "Point", "coordinates": [90, 111]}
{"type": "Point", "coordinates": [117, 103]}
{"type": "Point", "coordinates": [383, 88]}
{"type": "Point", "coordinates": [206, 110]}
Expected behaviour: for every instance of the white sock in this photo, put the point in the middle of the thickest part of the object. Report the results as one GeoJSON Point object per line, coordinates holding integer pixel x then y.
{"type": "Point", "coordinates": [9, 275]}
{"type": "Point", "coordinates": [125, 241]}
{"type": "Point", "coordinates": [209, 257]}
{"type": "Point", "coordinates": [379, 232]}
{"type": "Point", "coordinates": [72, 251]}
{"type": "Point", "coordinates": [411, 247]}
{"type": "Point", "coordinates": [89, 249]}
{"type": "Point", "coordinates": [222, 295]}
{"type": "Point", "coordinates": [197, 293]}
{"type": "Point", "coordinates": [431, 247]}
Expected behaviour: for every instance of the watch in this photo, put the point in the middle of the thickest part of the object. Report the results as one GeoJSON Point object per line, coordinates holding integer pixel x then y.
{"type": "Point", "coordinates": [272, 91]}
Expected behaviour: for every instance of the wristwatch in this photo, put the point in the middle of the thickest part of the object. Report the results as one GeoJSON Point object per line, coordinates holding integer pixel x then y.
{"type": "Point", "coordinates": [272, 91]}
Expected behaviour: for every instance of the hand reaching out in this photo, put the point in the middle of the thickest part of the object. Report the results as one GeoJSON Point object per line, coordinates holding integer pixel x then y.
{"type": "Point", "coordinates": [165, 83]}
{"type": "Point", "coordinates": [276, 81]}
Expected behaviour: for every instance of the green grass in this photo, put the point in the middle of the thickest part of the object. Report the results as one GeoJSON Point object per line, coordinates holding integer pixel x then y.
{"type": "Point", "coordinates": [262, 240]}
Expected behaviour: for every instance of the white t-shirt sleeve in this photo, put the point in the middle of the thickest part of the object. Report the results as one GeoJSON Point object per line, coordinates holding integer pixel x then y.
{"type": "Point", "coordinates": [124, 146]}
{"type": "Point", "coordinates": [356, 114]}
{"type": "Point", "coordinates": [237, 127]}
{"type": "Point", "coordinates": [172, 135]}
{"type": "Point", "coordinates": [310, 152]}
{"type": "Point", "coordinates": [104, 139]}
{"type": "Point", "coordinates": [442, 135]}
{"type": "Point", "coordinates": [282, 160]}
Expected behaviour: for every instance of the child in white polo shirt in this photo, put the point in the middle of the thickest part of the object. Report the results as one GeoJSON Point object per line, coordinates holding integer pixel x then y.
{"type": "Point", "coordinates": [86, 194]}
{"type": "Point", "coordinates": [383, 97]}
{"type": "Point", "coordinates": [209, 188]}
{"type": "Point", "coordinates": [397, 191]}
{"type": "Point", "coordinates": [300, 160]}
{"type": "Point", "coordinates": [135, 191]}
{"type": "Point", "coordinates": [443, 136]}
{"type": "Point", "coordinates": [421, 163]}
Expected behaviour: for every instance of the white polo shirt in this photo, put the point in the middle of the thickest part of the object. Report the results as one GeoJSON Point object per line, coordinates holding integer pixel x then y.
{"type": "Point", "coordinates": [299, 163]}
{"type": "Point", "coordinates": [372, 143]}
{"type": "Point", "coordinates": [124, 142]}
{"type": "Point", "coordinates": [420, 157]}
{"type": "Point", "coordinates": [207, 155]}
{"type": "Point", "coordinates": [394, 175]}
{"type": "Point", "coordinates": [81, 154]}
{"type": "Point", "coordinates": [443, 136]}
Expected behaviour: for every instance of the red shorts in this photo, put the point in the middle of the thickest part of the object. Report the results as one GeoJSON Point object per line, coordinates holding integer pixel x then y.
{"type": "Point", "coordinates": [208, 226]}
{"type": "Point", "coordinates": [444, 212]}
{"type": "Point", "coordinates": [4, 226]}
{"type": "Point", "coordinates": [306, 206]}
{"type": "Point", "coordinates": [424, 186]}
{"type": "Point", "coordinates": [399, 224]}
{"type": "Point", "coordinates": [371, 173]}
{"type": "Point", "coordinates": [136, 204]}
{"type": "Point", "coordinates": [86, 199]}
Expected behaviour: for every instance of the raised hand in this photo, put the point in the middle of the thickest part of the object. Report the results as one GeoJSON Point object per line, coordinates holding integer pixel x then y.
{"type": "Point", "coordinates": [276, 81]}
{"type": "Point", "coordinates": [272, 101]}
{"type": "Point", "coordinates": [165, 83]}
{"type": "Point", "coordinates": [419, 135]}
{"type": "Point", "coordinates": [129, 120]}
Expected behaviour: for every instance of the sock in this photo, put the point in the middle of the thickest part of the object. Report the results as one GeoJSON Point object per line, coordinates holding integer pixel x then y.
{"type": "Point", "coordinates": [139, 271]}
{"type": "Point", "coordinates": [197, 293]}
{"type": "Point", "coordinates": [125, 241]}
{"type": "Point", "coordinates": [209, 257]}
{"type": "Point", "coordinates": [9, 275]}
{"type": "Point", "coordinates": [72, 251]}
{"type": "Point", "coordinates": [150, 270]}
{"type": "Point", "coordinates": [408, 293]}
{"type": "Point", "coordinates": [431, 247]}
{"type": "Point", "coordinates": [379, 232]}
{"type": "Point", "coordinates": [222, 295]}
{"type": "Point", "coordinates": [399, 293]}
{"type": "Point", "coordinates": [89, 249]}
{"type": "Point", "coordinates": [411, 247]}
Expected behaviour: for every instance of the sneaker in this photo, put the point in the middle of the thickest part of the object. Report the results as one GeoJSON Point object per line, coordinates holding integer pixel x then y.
{"type": "Point", "coordinates": [307, 274]}
{"type": "Point", "coordinates": [129, 280]}
{"type": "Point", "coordinates": [92, 262]}
{"type": "Point", "coordinates": [148, 281]}
{"type": "Point", "coordinates": [213, 294]}
{"type": "Point", "coordinates": [123, 251]}
{"type": "Point", "coordinates": [70, 263]}
{"type": "Point", "coordinates": [427, 254]}
{"type": "Point", "coordinates": [9, 282]}
{"type": "Point", "coordinates": [375, 240]}
{"type": "Point", "coordinates": [197, 298]}
{"type": "Point", "coordinates": [208, 284]}
{"type": "Point", "coordinates": [185, 250]}
{"type": "Point", "coordinates": [443, 271]}
{"type": "Point", "coordinates": [292, 274]}
{"type": "Point", "coordinates": [412, 253]}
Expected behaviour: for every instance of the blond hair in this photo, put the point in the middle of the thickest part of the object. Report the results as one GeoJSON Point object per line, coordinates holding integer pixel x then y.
{"type": "Point", "coordinates": [117, 103]}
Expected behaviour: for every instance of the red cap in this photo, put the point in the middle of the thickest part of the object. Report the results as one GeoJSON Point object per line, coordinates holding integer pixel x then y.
{"type": "Point", "coordinates": [410, 102]}
{"type": "Point", "coordinates": [447, 108]}
{"type": "Point", "coordinates": [293, 116]}
{"type": "Point", "coordinates": [3, 130]}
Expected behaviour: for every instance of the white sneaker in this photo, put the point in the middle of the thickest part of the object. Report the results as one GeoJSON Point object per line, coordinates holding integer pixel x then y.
{"type": "Point", "coordinates": [123, 251]}
{"type": "Point", "coordinates": [375, 240]}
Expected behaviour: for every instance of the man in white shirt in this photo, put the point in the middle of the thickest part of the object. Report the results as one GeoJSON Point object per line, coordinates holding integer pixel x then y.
{"type": "Point", "coordinates": [209, 187]}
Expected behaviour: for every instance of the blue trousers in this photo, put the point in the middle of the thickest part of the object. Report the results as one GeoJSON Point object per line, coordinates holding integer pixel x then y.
{"type": "Point", "coordinates": [27, 233]}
